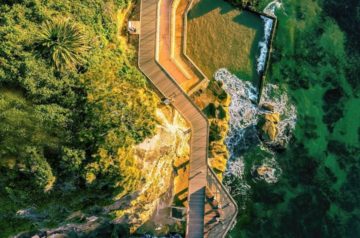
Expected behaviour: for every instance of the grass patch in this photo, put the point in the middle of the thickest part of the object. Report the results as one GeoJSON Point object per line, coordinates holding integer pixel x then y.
{"type": "Point", "coordinates": [220, 35]}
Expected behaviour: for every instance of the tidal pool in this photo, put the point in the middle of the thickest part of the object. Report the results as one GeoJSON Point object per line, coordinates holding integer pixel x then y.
{"type": "Point", "coordinates": [222, 36]}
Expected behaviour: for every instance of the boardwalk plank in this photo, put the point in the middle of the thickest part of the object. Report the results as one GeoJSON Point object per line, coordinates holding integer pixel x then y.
{"type": "Point", "coordinates": [168, 87]}
{"type": "Point", "coordinates": [163, 81]}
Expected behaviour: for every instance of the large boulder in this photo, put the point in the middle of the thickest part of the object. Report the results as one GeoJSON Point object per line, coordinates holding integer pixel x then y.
{"type": "Point", "coordinates": [269, 126]}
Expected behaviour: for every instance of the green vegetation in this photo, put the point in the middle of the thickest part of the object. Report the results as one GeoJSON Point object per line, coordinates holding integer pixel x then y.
{"type": "Point", "coordinates": [316, 59]}
{"type": "Point", "coordinates": [67, 124]}
{"type": "Point", "coordinates": [220, 35]}
{"type": "Point", "coordinates": [62, 42]}
{"type": "Point", "coordinates": [210, 110]}
{"type": "Point", "coordinates": [218, 116]}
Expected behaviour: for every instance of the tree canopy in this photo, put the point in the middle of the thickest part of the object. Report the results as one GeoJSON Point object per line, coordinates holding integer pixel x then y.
{"type": "Point", "coordinates": [67, 124]}
{"type": "Point", "coordinates": [61, 42]}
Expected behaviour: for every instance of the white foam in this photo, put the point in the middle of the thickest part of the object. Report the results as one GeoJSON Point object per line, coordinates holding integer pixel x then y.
{"type": "Point", "coordinates": [268, 25]}
{"type": "Point", "coordinates": [272, 6]}
{"type": "Point", "coordinates": [244, 114]}
{"type": "Point", "coordinates": [261, 60]}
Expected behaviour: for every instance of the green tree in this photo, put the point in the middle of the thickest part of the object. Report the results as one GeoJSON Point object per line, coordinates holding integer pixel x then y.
{"type": "Point", "coordinates": [66, 125]}
{"type": "Point", "coordinates": [35, 166]}
{"type": "Point", "coordinates": [246, 3]}
{"type": "Point", "coordinates": [72, 159]}
{"type": "Point", "coordinates": [63, 43]}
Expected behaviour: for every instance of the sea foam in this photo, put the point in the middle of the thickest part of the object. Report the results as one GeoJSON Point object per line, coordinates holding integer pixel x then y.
{"type": "Point", "coordinates": [264, 44]}
{"type": "Point", "coordinates": [244, 115]}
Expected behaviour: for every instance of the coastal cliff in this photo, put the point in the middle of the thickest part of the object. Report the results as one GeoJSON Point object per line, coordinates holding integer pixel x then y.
{"type": "Point", "coordinates": [157, 156]}
{"type": "Point", "coordinates": [145, 208]}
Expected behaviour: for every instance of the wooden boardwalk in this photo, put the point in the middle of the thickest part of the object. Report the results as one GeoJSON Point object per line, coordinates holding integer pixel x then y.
{"type": "Point", "coordinates": [199, 125]}
{"type": "Point", "coordinates": [198, 175]}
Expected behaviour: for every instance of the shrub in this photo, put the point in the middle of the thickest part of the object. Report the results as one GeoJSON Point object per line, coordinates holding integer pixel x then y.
{"type": "Point", "coordinates": [62, 42]}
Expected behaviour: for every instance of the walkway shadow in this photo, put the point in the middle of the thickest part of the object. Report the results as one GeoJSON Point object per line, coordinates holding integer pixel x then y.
{"type": "Point", "coordinates": [181, 166]}
{"type": "Point", "coordinates": [178, 201]}
{"type": "Point", "coordinates": [205, 6]}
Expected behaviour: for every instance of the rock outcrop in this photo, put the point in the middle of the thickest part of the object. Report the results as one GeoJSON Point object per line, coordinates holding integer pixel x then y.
{"type": "Point", "coordinates": [157, 156]}
{"type": "Point", "coordinates": [215, 104]}
{"type": "Point", "coordinates": [269, 129]}
{"type": "Point", "coordinates": [254, 127]}
{"type": "Point", "coordinates": [267, 107]}
{"type": "Point", "coordinates": [262, 170]}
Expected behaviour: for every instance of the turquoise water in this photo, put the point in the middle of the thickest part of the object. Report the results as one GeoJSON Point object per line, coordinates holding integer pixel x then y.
{"type": "Point", "coordinates": [317, 193]}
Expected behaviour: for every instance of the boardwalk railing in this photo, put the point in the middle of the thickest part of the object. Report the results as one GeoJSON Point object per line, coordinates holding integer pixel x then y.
{"type": "Point", "coordinates": [203, 80]}
{"type": "Point", "coordinates": [168, 87]}
{"type": "Point", "coordinates": [199, 125]}
{"type": "Point", "coordinates": [227, 203]}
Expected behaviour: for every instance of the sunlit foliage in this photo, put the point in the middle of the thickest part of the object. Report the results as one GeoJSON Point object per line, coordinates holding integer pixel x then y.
{"type": "Point", "coordinates": [67, 125]}
{"type": "Point", "coordinates": [62, 42]}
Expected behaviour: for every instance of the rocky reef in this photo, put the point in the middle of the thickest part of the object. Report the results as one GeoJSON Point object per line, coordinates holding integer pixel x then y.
{"type": "Point", "coordinates": [256, 130]}
{"type": "Point", "coordinates": [270, 121]}
{"type": "Point", "coordinates": [269, 125]}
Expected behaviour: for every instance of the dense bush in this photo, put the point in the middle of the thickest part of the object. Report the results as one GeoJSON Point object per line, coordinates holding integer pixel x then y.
{"type": "Point", "coordinates": [67, 124]}
{"type": "Point", "coordinates": [62, 43]}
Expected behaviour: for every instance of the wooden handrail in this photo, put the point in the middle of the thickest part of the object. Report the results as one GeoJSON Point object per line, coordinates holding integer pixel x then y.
{"type": "Point", "coordinates": [157, 69]}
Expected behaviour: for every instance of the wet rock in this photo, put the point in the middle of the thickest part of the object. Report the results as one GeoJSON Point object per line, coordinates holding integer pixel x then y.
{"type": "Point", "coordinates": [268, 107]}
{"type": "Point", "coordinates": [269, 128]}
{"type": "Point", "coordinates": [262, 170]}
{"type": "Point", "coordinates": [254, 125]}
{"type": "Point", "coordinates": [266, 173]}
{"type": "Point", "coordinates": [267, 169]}
{"type": "Point", "coordinates": [273, 117]}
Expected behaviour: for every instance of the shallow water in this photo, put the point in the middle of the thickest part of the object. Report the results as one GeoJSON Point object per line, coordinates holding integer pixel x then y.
{"type": "Point", "coordinates": [226, 35]}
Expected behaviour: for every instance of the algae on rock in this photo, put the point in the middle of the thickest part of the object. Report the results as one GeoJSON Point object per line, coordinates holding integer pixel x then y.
{"type": "Point", "coordinates": [215, 102]}
{"type": "Point", "coordinates": [268, 124]}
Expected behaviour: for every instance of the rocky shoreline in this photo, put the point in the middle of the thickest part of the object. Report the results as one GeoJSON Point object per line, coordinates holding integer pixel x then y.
{"type": "Point", "coordinates": [267, 125]}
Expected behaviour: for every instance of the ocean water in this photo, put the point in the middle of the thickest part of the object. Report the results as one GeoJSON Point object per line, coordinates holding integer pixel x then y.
{"type": "Point", "coordinates": [312, 186]}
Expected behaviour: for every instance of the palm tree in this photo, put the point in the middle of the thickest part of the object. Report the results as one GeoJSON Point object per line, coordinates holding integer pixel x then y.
{"type": "Point", "coordinates": [63, 43]}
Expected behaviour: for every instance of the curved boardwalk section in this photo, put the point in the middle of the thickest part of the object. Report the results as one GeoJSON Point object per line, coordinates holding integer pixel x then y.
{"type": "Point", "coordinates": [204, 187]}
{"type": "Point", "coordinates": [199, 125]}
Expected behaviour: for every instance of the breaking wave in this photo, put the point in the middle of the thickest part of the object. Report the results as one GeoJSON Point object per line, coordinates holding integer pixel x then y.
{"type": "Point", "coordinates": [264, 44]}
{"type": "Point", "coordinates": [243, 133]}
{"type": "Point", "coordinates": [261, 60]}
{"type": "Point", "coordinates": [272, 6]}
